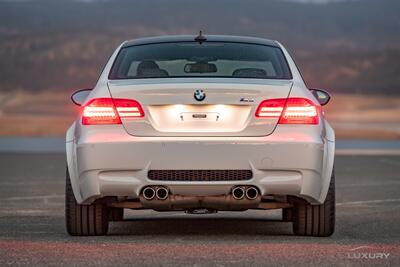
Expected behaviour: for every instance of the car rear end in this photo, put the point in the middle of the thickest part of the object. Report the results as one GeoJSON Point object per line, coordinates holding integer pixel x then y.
{"type": "Point", "coordinates": [187, 125]}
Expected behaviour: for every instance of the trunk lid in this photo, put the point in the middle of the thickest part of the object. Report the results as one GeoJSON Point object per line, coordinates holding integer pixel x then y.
{"type": "Point", "coordinates": [171, 109]}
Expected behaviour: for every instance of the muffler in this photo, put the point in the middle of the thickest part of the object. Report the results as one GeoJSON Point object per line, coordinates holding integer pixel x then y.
{"type": "Point", "coordinates": [159, 198]}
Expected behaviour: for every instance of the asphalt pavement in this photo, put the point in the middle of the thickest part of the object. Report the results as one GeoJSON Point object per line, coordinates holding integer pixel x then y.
{"type": "Point", "coordinates": [32, 231]}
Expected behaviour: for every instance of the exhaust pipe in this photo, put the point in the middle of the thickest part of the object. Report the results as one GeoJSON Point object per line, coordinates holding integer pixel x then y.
{"type": "Point", "coordinates": [238, 193]}
{"type": "Point", "coordinates": [162, 193]}
{"type": "Point", "coordinates": [251, 193]}
{"type": "Point", "coordinates": [149, 193]}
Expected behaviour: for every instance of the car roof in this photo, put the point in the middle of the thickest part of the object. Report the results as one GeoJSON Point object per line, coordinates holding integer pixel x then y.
{"type": "Point", "coordinates": [191, 38]}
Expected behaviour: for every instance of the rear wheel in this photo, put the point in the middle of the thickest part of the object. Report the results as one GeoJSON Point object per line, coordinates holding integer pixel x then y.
{"type": "Point", "coordinates": [316, 220]}
{"type": "Point", "coordinates": [84, 220]}
{"type": "Point", "coordinates": [116, 214]}
{"type": "Point", "coordinates": [287, 215]}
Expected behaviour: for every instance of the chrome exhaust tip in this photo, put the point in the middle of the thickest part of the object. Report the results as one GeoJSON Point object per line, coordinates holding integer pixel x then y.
{"type": "Point", "coordinates": [149, 193]}
{"type": "Point", "coordinates": [238, 193]}
{"type": "Point", "coordinates": [162, 193]}
{"type": "Point", "coordinates": [251, 193]}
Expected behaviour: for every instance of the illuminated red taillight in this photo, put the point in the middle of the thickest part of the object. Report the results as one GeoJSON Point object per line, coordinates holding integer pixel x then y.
{"type": "Point", "coordinates": [289, 111]}
{"type": "Point", "coordinates": [110, 111]}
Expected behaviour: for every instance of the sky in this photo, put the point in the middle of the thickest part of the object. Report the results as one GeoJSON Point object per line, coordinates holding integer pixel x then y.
{"type": "Point", "coordinates": [298, 1]}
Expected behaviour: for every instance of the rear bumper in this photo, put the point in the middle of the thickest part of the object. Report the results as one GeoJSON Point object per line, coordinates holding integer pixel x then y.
{"type": "Point", "coordinates": [114, 163]}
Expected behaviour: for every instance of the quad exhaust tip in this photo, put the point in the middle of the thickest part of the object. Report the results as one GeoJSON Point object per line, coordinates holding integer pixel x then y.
{"type": "Point", "coordinates": [238, 193]}
{"type": "Point", "coordinates": [149, 193]}
{"type": "Point", "coordinates": [162, 193]}
{"type": "Point", "coordinates": [251, 193]}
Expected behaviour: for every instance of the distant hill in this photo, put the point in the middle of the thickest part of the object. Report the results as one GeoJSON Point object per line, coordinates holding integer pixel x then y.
{"type": "Point", "coordinates": [350, 46]}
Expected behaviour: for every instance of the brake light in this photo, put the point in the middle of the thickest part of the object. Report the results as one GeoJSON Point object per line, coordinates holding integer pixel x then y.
{"type": "Point", "coordinates": [289, 111]}
{"type": "Point", "coordinates": [110, 111]}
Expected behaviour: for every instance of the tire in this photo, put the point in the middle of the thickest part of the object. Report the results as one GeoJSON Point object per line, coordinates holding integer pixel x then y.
{"type": "Point", "coordinates": [287, 215]}
{"type": "Point", "coordinates": [116, 214]}
{"type": "Point", "coordinates": [84, 220]}
{"type": "Point", "coordinates": [316, 220]}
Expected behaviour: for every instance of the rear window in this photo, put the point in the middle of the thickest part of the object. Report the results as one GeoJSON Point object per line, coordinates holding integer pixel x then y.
{"type": "Point", "coordinates": [209, 59]}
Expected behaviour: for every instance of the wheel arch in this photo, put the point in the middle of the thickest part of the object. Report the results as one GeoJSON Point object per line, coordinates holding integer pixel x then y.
{"type": "Point", "coordinates": [328, 162]}
{"type": "Point", "coordinates": [70, 149]}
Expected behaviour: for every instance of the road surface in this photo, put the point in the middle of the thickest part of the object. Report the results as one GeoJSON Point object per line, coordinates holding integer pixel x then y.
{"type": "Point", "coordinates": [32, 229]}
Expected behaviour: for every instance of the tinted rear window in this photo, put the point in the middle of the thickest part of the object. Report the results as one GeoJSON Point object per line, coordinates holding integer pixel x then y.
{"type": "Point", "coordinates": [209, 59]}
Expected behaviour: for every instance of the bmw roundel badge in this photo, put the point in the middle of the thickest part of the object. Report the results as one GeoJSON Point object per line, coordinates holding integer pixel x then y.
{"type": "Point", "coordinates": [199, 95]}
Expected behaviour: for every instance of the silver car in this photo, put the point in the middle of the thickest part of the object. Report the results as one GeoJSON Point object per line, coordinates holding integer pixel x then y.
{"type": "Point", "coordinates": [200, 124]}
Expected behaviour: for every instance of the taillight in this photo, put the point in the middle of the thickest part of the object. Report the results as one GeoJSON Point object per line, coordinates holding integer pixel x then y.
{"type": "Point", "coordinates": [289, 111]}
{"type": "Point", "coordinates": [110, 111]}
